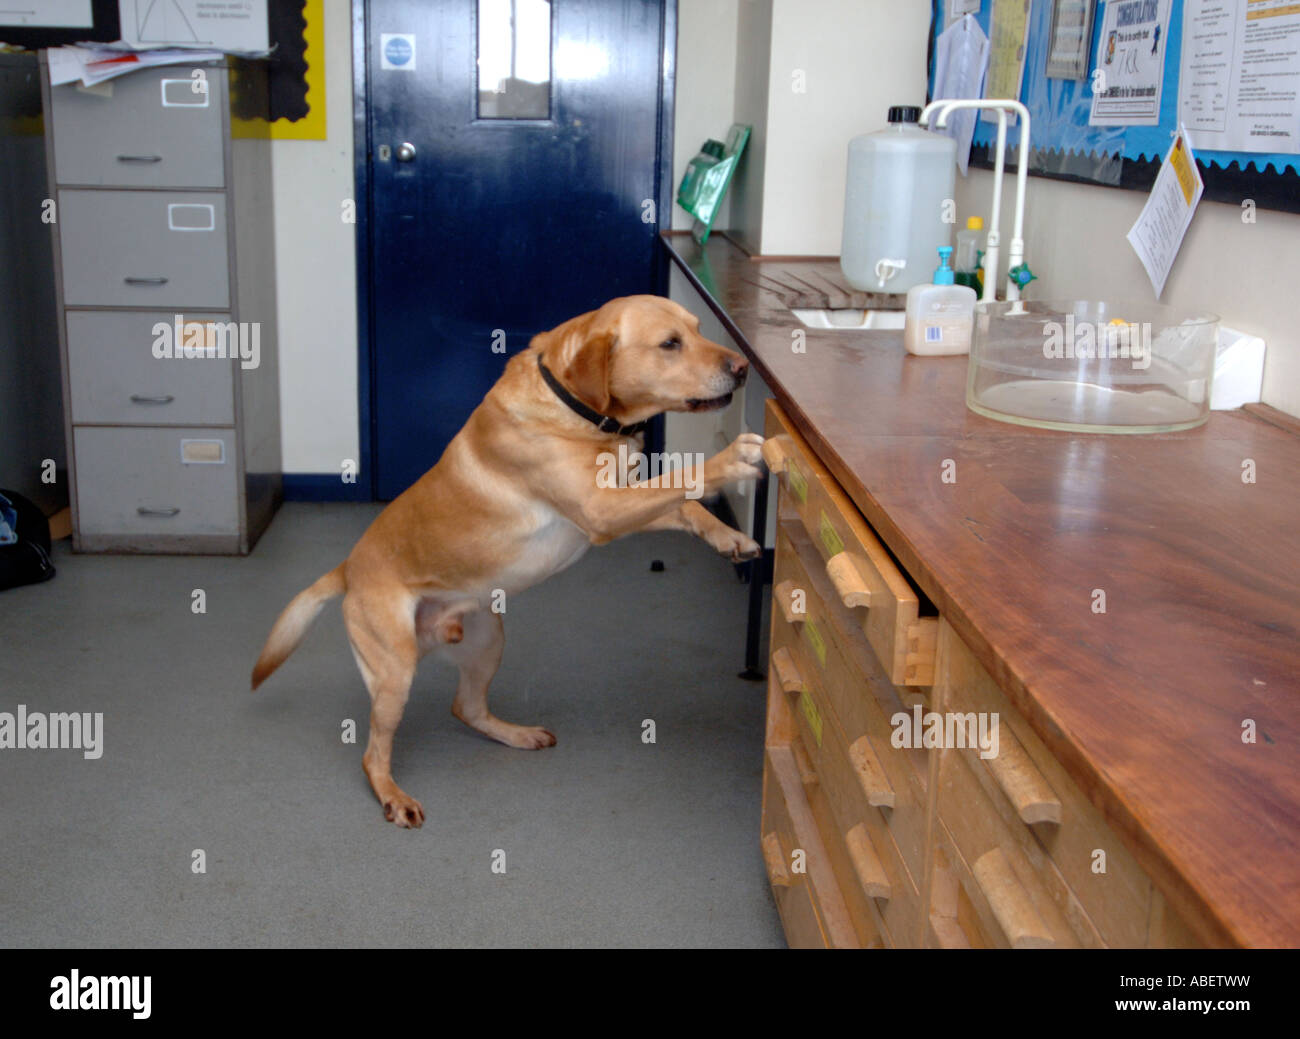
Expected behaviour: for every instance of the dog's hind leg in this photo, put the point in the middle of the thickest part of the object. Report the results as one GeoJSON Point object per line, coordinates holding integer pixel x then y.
{"type": "Point", "coordinates": [381, 629]}
{"type": "Point", "coordinates": [478, 655]}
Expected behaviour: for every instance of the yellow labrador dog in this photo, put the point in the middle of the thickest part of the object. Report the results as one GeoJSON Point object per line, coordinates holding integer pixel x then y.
{"type": "Point", "coordinates": [516, 498]}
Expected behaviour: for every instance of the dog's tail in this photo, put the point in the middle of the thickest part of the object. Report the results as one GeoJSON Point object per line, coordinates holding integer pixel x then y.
{"type": "Point", "coordinates": [293, 623]}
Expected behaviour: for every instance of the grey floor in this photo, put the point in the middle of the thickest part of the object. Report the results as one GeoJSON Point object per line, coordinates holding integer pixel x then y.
{"type": "Point", "coordinates": [607, 841]}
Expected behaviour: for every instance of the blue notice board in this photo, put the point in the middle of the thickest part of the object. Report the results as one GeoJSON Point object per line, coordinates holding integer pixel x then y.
{"type": "Point", "coordinates": [1064, 146]}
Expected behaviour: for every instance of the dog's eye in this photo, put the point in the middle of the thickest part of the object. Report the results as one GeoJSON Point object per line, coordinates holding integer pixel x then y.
{"type": "Point", "coordinates": [671, 343]}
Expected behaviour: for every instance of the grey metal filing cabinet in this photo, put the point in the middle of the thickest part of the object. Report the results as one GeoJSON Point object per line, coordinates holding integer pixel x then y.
{"type": "Point", "coordinates": [164, 225]}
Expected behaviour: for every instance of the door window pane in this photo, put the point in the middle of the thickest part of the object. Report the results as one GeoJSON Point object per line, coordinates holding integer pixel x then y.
{"type": "Point", "coordinates": [514, 59]}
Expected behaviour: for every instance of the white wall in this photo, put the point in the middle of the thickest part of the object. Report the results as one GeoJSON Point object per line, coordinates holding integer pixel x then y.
{"type": "Point", "coordinates": [706, 87]}
{"type": "Point", "coordinates": [315, 264]}
{"type": "Point", "coordinates": [810, 75]}
{"type": "Point", "coordinates": [1075, 243]}
{"type": "Point", "coordinates": [753, 61]}
{"type": "Point", "coordinates": [857, 58]}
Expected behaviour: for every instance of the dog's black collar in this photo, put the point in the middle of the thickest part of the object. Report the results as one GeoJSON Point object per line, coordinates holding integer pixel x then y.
{"type": "Point", "coordinates": [605, 423]}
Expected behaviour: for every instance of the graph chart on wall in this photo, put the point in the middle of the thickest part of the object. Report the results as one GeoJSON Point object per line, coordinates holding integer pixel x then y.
{"type": "Point", "coordinates": [228, 25]}
{"type": "Point", "coordinates": [163, 21]}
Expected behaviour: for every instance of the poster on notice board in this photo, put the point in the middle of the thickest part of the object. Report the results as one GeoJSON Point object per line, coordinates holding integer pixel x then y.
{"type": "Point", "coordinates": [225, 25]}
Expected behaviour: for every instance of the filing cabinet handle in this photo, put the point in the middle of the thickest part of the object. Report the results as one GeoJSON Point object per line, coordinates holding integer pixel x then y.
{"type": "Point", "coordinates": [775, 453]}
{"type": "Point", "coordinates": [871, 777]}
{"type": "Point", "coordinates": [787, 674]}
{"type": "Point", "coordinates": [783, 593]}
{"type": "Point", "coordinates": [139, 158]}
{"type": "Point", "coordinates": [145, 510]}
{"type": "Point", "coordinates": [163, 398]}
{"type": "Point", "coordinates": [774, 859]}
{"type": "Point", "coordinates": [1010, 902]}
{"type": "Point", "coordinates": [1024, 786]}
{"type": "Point", "coordinates": [848, 581]}
{"type": "Point", "coordinates": [866, 863]}
{"type": "Point", "coordinates": [145, 281]}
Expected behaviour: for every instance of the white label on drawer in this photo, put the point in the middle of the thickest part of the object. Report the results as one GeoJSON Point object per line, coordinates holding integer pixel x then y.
{"type": "Point", "coordinates": [203, 452]}
{"type": "Point", "coordinates": [185, 93]}
{"type": "Point", "coordinates": [191, 216]}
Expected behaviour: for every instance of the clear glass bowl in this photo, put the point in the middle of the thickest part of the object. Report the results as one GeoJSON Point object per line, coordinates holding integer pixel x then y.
{"type": "Point", "coordinates": [1092, 366]}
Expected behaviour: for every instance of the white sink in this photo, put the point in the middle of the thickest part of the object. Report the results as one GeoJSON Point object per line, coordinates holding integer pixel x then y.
{"type": "Point", "coordinates": [848, 319]}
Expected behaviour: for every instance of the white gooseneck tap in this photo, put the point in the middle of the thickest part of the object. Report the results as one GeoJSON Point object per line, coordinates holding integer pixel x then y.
{"type": "Point", "coordinates": [1017, 258]}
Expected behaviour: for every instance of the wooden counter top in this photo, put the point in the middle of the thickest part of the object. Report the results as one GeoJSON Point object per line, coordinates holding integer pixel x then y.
{"type": "Point", "coordinates": [1145, 704]}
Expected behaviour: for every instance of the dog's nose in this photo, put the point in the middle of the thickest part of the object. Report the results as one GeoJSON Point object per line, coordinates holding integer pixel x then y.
{"type": "Point", "coordinates": [737, 367]}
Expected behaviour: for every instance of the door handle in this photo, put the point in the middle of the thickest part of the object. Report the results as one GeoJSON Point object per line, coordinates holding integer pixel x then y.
{"type": "Point", "coordinates": [140, 158]}
{"type": "Point", "coordinates": [138, 398]}
{"type": "Point", "coordinates": [168, 511]}
{"type": "Point", "coordinates": [145, 281]}
{"type": "Point", "coordinates": [404, 152]}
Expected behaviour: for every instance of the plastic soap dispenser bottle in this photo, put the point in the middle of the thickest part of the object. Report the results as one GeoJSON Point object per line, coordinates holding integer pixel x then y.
{"type": "Point", "coordinates": [939, 316]}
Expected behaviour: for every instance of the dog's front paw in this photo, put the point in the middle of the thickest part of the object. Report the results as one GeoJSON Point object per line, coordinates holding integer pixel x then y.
{"type": "Point", "coordinates": [736, 546]}
{"type": "Point", "coordinates": [742, 459]}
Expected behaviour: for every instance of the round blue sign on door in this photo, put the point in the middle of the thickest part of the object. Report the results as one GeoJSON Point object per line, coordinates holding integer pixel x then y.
{"type": "Point", "coordinates": [398, 51]}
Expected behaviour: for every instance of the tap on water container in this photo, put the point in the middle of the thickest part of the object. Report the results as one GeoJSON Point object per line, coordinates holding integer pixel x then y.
{"type": "Point", "coordinates": [900, 183]}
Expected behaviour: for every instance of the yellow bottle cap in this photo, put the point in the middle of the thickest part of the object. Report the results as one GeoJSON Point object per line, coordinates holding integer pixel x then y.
{"type": "Point", "coordinates": [974, 223]}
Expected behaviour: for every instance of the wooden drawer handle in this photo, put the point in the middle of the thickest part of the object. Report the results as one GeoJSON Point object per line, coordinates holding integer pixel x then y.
{"type": "Point", "coordinates": [866, 766]}
{"type": "Point", "coordinates": [1026, 789]}
{"type": "Point", "coordinates": [786, 671]}
{"type": "Point", "coordinates": [1010, 903]}
{"type": "Point", "coordinates": [776, 450]}
{"type": "Point", "coordinates": [783, 593]}
{"type": "Point", "coordinates": [866, 863]}
{"type": "Point", "coordinates": [849, 584]}
{"type": "Point", "coordinates": [774, 859]}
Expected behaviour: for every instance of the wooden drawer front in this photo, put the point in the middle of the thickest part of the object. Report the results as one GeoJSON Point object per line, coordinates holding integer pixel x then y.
{"type": "Point", "coordinates": [954, 921]}
{"type": "Point", "coordinates": [848, 774]}
{"type": "Point", "coordinates": [153, 130]}
{"type": "Point", "coordinates": [811, 907]}
{"type": "Point", "coordinates": [144, 249]}
{"type": "Point", "coordinates": [134, 481]}
{"type": "Point", "coordinates": [865, 578]}
{"type": "Point", "coordinates": [862, 700]}
{"type": "Point", "coordinates": [1040, 806]}
{"type": "Point", "coordinates": [1017, 885]}
{"type": "Point", "coordinates": [115, 379]}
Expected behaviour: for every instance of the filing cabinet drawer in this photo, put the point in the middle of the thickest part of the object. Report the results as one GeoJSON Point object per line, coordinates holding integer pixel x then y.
{"type": "Point", "coordinates": [865, 577]}
{"type": "Point", "coordinates": [954, 921]}
{"type": "Point", "coordinates": [1041, 808]}
{"type": "Point", "coordinates": [134, 481]}
{"type": "Point", "coordinates": [847, 772]}
{"type": "Point", "coordinates": [1016, 886]}
{"type": "Point", "coordinates": [811, 907]}
{"type": "Point", "coordinates": [153, 130]}
{"type": "Point", "coordinates": [144, 249]}
{"type": "Point", "coordinates": [863, 700]}
{"type": "Point", "coordinates": [115, 379]}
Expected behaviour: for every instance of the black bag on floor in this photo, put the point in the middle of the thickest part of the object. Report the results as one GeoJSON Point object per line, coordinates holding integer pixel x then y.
{"type": "Point", "coordinates": [25, 560]}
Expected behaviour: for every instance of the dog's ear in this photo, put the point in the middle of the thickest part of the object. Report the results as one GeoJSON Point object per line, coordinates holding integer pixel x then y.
{"type": "Point", "coordinates": [578, 353]}
{"type": "Point", "coordinates": [587, 373]}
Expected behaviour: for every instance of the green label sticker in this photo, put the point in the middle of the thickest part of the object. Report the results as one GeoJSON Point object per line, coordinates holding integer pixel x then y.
{"type": "Point", "coordinates": [831, 540]}
{"type": "Point", "coordinates": [795, 481]}
{"type": "Point", "coordinates": [812, 716]}
{"type": "Point", "coordinates": [815, 640]}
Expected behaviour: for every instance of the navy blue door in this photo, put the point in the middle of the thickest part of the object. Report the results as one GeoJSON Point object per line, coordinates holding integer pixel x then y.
{"type": "Point", "coordinates": [515, 175]}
